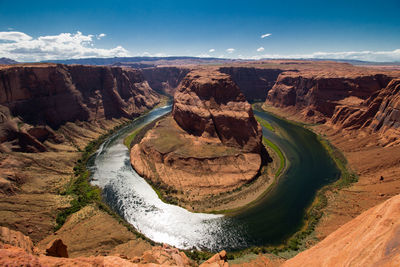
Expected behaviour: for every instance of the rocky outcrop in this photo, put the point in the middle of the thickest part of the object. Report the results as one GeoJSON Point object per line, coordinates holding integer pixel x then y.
{"type": "Point", "coordinates": [345, 101]}
{"type": "Point", "coordinates": [210, 104]}
{"type": "Point", "coordinates": [165, 80]}
{"type": "Point", "coordinates": [211, 144]}
{"type": "Point", "coordinates": [57, 248]}
{"type": "Point", "coordinates": [254, 83]}
{"type": "Point", "coordinates": [35, 99]}
{"type": "Point", "coordinates": [17, 249]}
{"type": "Point", "coordinates": [371, 239]}
{"type": "Point", "coordinates": [322, 93]}
{"type": "Point", "coordinates": [16, 239]}
{"type": "Point", "coordinates": [218, 260]}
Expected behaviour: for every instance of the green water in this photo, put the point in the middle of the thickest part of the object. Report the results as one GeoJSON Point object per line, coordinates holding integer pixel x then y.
{"type": "Point", "coordinates": [280, 213]}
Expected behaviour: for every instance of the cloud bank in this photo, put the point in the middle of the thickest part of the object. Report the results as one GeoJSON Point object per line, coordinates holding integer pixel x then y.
{"type": "Point", "coordinates": [377, 56]}
{"type": "Point", "coordinates": [260, 49]}
{"type": "Point", "coordinates": [22, 47]}
{"type": "Point", "coordinates": [211, 50]}
{"type": "Point", "coordinates": [230, 50]}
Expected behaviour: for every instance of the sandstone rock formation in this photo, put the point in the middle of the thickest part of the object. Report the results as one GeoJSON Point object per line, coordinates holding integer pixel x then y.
{"type": "Point", "coordinates": [218, 260]}
{"type": "Point", "coordinates": [211, 105]}
{"type": "Point", "coordinates": [371, 239]}
{"type": "Point", "coordinates": [57, 248]}
{"type": "Point", "coordinates": [321, 93]}
{"type": "Point", "coordinates": [343, 100]}
{"type": "Point", "coordinates": [37, 98]}
{"type": "Point", "coordinates": [165, 80]}
{"type": "Point", "coordinates": [16, 239]}
{"type": "Point", "coordinates": [17, 250]}
{"type": "Point", "coordinates": [212, 143]}
{"type": "Point", "coordinates": [253, 82]}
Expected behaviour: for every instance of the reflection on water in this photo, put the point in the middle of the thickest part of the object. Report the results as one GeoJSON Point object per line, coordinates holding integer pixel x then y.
{"type": "Point", "coordinates": [275, 217]}
{"type": "Point", "coordinates": [134, 199]}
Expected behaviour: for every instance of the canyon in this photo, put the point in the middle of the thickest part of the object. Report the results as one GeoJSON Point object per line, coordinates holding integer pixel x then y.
{"type": "Point", "coordinates": [211, 144]}
{"type": "Point", "coordinates": [49, 113]}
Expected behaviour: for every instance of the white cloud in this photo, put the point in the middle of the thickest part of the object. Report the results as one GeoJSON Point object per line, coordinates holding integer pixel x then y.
{"type": "Point", "coordinates": [382, 56]}
{"type": "Point", "coordinates": [14, 36]}
{"type": "Point", "coordinates": [211, 50]}
{"type": "Point", "coordinates": [22, 47]}
{"type": "Point", "coordinates": [266, 35]}
{"type": "Point", "coordinates": [260, 49]}
{"type": "Point", "coordinates": [147, 54]}
{"type": "Point", "coordinates": [101, 35]}
{"type": "Point", "coordinates": [230, 50]}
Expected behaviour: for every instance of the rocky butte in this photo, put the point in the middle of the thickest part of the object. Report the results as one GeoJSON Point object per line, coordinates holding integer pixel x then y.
{"type": "Point", "coordinates": [211, 143]}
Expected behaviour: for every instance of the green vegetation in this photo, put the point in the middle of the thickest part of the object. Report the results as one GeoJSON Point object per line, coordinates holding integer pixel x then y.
{"type": "Point", "coordinates": [128, 140]}
{"type": "Point", "coordinates": [79, 187]}
{"type": "Point", "coordinates": [264, 123]}
{"type": "Point", "coordinates": [282, 158]}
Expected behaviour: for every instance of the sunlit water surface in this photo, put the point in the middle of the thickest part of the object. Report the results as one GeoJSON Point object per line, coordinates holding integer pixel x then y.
{"type": "Point", "coordinates": [274, 217]}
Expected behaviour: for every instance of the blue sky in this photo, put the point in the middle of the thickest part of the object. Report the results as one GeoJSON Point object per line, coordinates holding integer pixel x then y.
{"type": "Point", "coordinates": [33, 30]}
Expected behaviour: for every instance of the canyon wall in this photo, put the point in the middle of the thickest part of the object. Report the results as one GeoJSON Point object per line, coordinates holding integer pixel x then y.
{"type": "Point", "coordinates": [344, 100]}
{"type": "Point", "coordinates": [371, 239]}
{"type": "Point", "coordinates": [165, 80]}
{"type": "Point", "coordinates": [254, 83]}
{"type": "Point", "coordinates": [37, 99]}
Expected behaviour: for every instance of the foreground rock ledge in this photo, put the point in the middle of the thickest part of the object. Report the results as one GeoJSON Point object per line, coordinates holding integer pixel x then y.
{"type": "Point", "coordinates": [211, 143]}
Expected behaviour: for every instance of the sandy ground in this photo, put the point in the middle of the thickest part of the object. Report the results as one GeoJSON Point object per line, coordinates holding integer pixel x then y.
{"type": "Point", "coordinates": [30, 199]}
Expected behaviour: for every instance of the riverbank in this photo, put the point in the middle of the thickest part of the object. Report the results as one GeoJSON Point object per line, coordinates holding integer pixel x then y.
{"type": "Point", "coordinates": [310, 234]}
{"type": "Point", "coordinates": [226, 202]}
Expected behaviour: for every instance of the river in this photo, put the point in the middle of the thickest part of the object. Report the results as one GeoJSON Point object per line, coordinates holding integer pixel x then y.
{"type": "Point", "coordinates": [274, 217]}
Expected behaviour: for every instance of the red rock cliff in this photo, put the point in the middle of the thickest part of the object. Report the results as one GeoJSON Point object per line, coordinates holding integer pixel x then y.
{"type": "Point", "coordinates": [165, 80]}
{"type": "Point", "coordinates": [211, 105]}
{"type": "Point", "coordinates": [49, 95]}
{"type": "Point", "coordinates": [254, 83]}
{"type": "Point", "coordinates": [344, 100]}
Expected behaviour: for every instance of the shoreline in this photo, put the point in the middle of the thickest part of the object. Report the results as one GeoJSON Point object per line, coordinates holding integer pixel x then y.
{"type": "Point", "coordinates": [228, 202]}
{"type": "Point", "coordinates": [316, 210]}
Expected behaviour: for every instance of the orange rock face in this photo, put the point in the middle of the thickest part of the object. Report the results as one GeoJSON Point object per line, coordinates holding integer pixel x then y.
{"type": "Point", "coordinates": [209, 104]}
{"type": "Point", "coordinates": [211, 144]}
{"type": "Point", "coordinates": [371, 239]}
{"type": "Point", "coordinates": [343, 100]}
{"type": "Point", "coordinates": [165, 80]}
{"type": "Point", "coordinates": [39, 95]}
{"type": "Point", "coordinates": [17, 250]}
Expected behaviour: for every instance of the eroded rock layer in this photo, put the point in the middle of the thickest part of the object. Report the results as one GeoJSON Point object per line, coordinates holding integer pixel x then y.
{"type": "Point", "coordinates": [371, 239]}
{"type": "Point", "coordinates": [210, 104]}
{"type": "Point", "coordinates": [211, 144]}
{"type": "Point", "coordinates": [165, 80]}
{"type": "Point", "coordinates": [343, 100]}
{"type": "Point", "coordinates": [37, 99]}
{"type": "Point", "coordinates": [254, 83]}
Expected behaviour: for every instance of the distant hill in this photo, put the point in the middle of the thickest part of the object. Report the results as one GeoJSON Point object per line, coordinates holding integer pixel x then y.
{"type": "Point", "coordinates": [7, 61]}
{"type": "Point", "coordinates": [349, 61]}
{"type": "Point", "coordinates": [142, 61]}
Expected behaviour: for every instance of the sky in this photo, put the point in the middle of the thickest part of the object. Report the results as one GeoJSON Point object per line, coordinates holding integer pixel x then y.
{"type": "Point", "coordinates": [44, 30]}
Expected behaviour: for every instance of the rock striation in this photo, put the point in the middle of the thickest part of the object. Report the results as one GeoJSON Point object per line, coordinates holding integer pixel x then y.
{"type": "Point", "coordinates": [211, 105]}
{"type": "Point", "coordinates": [253, 82]}
{"type": "Point", "coordinates": [18, 250]}
{"type": "Point", "coordinates": [211, 143]}
{"type": "Point", "coordinates": [342, 100]}
{"type": "Point", "coordinates": [37, 99]}
{"type": "Point", "coordinates": [371, 239]}
{"type": "Point", "coordinates": [165, 80]}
